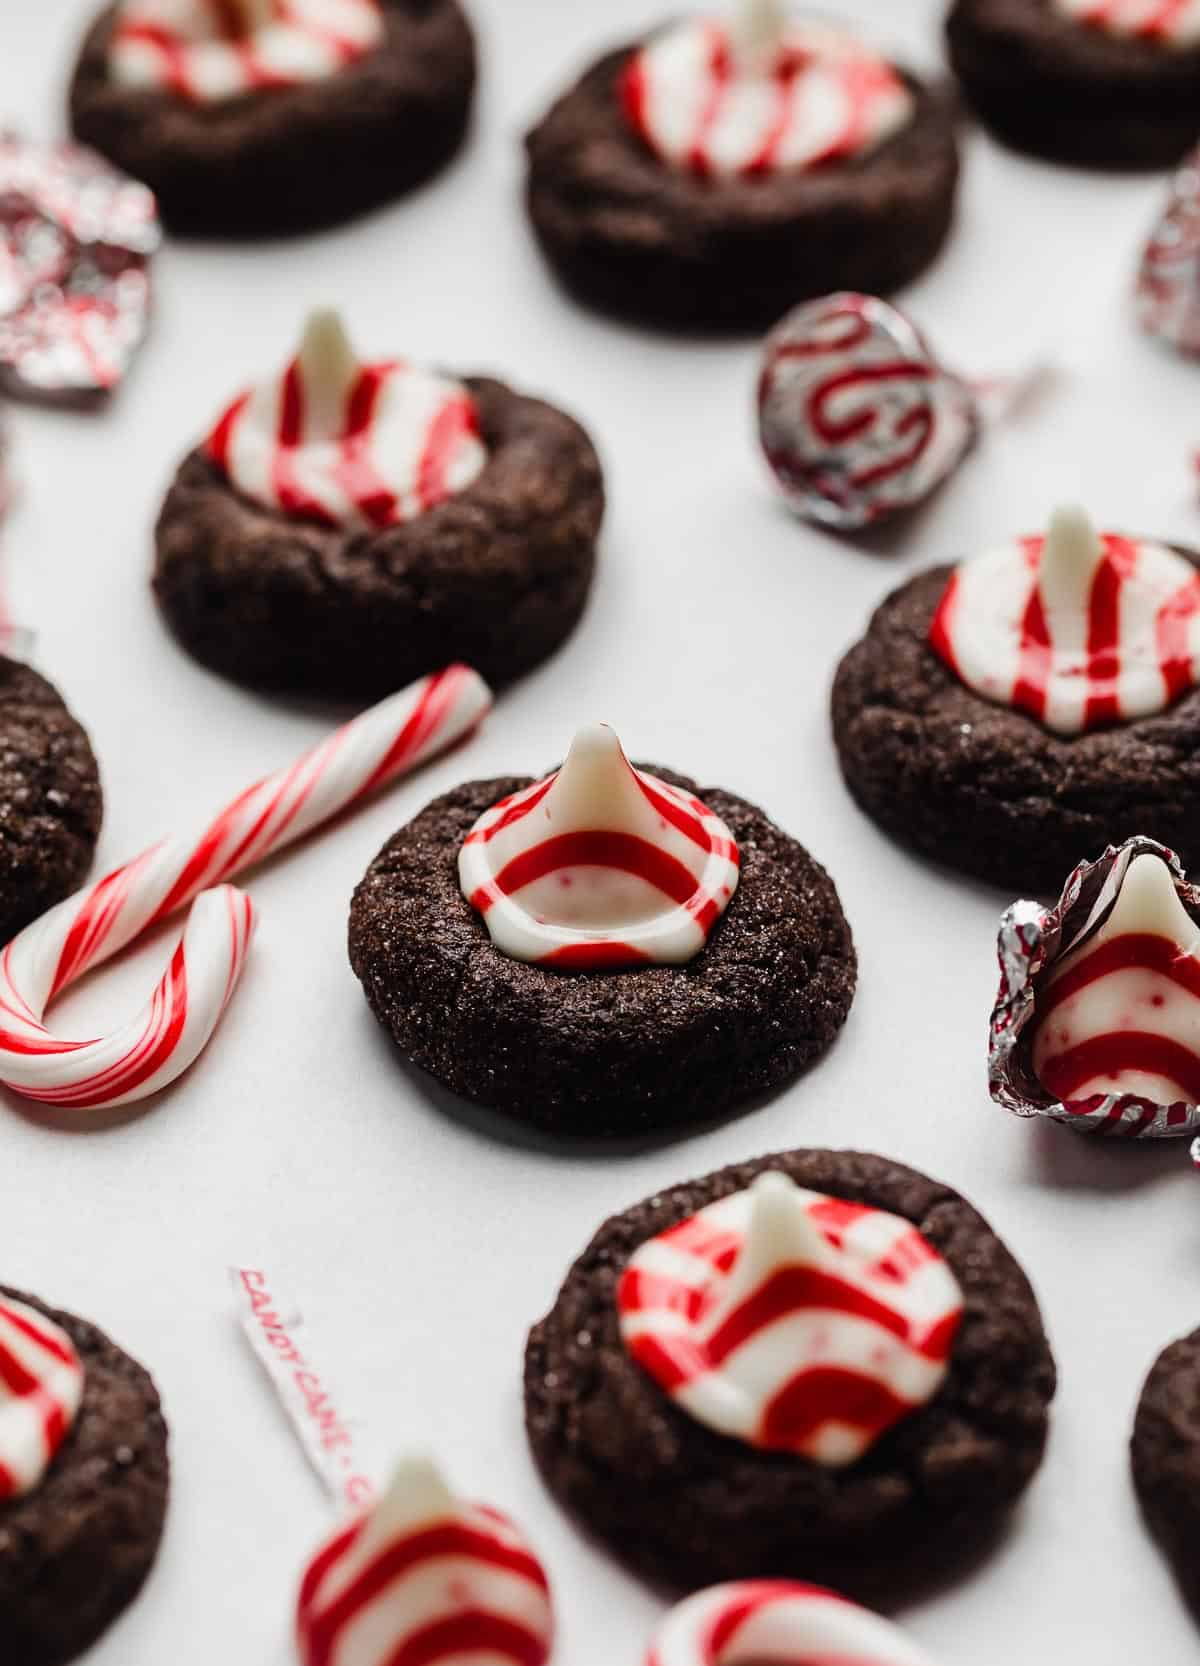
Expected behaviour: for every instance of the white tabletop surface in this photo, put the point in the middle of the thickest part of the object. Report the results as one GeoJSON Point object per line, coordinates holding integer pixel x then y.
{"type": "Point", "coordinates": [421, 1238]}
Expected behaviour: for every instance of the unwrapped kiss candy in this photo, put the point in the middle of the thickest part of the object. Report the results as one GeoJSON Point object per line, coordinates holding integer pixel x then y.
{"type": "Point", "coordinates": [75, 241]}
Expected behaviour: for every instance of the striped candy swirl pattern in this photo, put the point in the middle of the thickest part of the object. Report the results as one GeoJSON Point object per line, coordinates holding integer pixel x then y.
{"type": "Point", "coordinates": [424, 1580]}
{"type": "Point", "coordinates": [1167, 22]}
{"type": "Point", "coordinates": [599, 866]}
{"type": "Point", "coordinates": [792, 1321]}
{"type": "Point", "coordinates": [781, 1622]}
{"type": "Point", "coordinates": [1077, 629]}
{"type": "Point", "coordinates": [41, 1386]}
{"type": "Point", "coordinates": [727, 101]}
{"type": "Point", "coordinates": [208, 50]}
{"type": "Point", "coordinates": [346, 443]}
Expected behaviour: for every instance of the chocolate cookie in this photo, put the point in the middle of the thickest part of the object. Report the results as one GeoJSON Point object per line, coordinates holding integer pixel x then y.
{"type": "Point", "coordinates": [50, 798]}
{"type": "Point", "coordinates": [496, 575]}
{"type": "Point", "coordinates": [75, 1551]}
{"type": "Point", "coordinates": [603, 1052]}
{"type": "Point", "coordinates": [686, 1506]}
{"type": "Point", "coordinates": [631, 235]}
{"type": "Point", "coordinates": [282, 159]}
{"type": "Point", "coordinates": [1165, 1453]}
{"type": "Point", "coordinates": [1056, 86]}
{"type": "Point", "coordinates": [987, 789]}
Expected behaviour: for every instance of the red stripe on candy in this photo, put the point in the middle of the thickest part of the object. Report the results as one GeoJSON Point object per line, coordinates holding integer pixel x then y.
{"type": "Point", "coordinates": [624, 851]}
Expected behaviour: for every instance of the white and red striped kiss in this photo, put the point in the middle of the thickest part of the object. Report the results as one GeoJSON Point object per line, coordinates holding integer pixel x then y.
{"type": "Point", "coordinates": [423, 1578]}
{"type": "Point", "coordinates": [759, 1621]}
{"type": "Point", "coordinates": [207, 50]}
{"type": "Point", "coordinates": [346, 443]}
{"type": "Point", "coordinates": [759, 95]}
{"type": "Point", "coordinates": [599, 866]}
{"type": "Point", "coordinates": [1121, 1012]}
{"type": "Point", "coordinates": [41, 1385]}
{"type": "Point", "coordinates": [1077, 628]}
{"type": "Point", "coordinates": [792, 1321]}
{"type": "Point", "coordinates": [1169, 22]}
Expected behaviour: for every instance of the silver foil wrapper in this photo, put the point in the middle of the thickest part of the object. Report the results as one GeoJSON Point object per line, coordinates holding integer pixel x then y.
{"type": "Point", "coordinates": [1168, 283]}
{"type": "Point", "coordinates": [76, 239]}
{"type": "Point", "coordinates": [1033, 939]}
{"type": "Point", "coordinates": [856, 417]}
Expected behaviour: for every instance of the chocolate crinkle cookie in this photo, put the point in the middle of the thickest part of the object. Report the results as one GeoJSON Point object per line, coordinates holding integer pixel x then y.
{"type": "Point", "coordinates": [603, 1052]}
{"type": "Point", "coordinates": [50, 798]}
{"type": "Point", "coordinates": [686, 1505]}
{"type": "Point", "coordinates": [1165, 1453]}
{"type": "Point", "coordinates": [1081, 84]}
{"type": "Point", "coordinates": [235, 142]}
{"type": "Point", "coordinates": [76, 1549]}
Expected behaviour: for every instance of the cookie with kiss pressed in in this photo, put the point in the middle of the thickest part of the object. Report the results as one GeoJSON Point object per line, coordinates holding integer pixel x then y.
{"type": "Point", "coordinates": [731, 165]}
{"type": "Point", "coordinates": [1094, 82]}
{"type": "Point", "coordinates": [250, 120]}
{"type": "Point", "coordinates": [1017, 714]}
{"type": "Point", "coordinates": [820, 1365]}
{"type": "Point", "coordinates": [83, 1482]}
{"type": "Point", "coordinates": [611, 950]}
{"type": "Point", "coordinates": [349, 526]}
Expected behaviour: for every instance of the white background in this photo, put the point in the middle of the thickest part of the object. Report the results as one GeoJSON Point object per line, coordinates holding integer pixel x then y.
{"type": "Point", "coordinates": [421, 1237]}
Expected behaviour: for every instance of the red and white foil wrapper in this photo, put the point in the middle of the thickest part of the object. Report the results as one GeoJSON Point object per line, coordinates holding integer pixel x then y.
{"type": "Point", "coordinates": [330, 1436]}
{"type": "Point", "coordinates": [856, 417]}
{"type": "Point", "coordinates": [76, 239]}
{"type": "Point", "coordinates": [41, 1386]}
{"type": "Point", "coordinates": [1167, 294]}
{"type": "Point", "coordinates": [792, 1321]}
{"type": "Point", "coordinates": [777, 1622]}
{"type": "Point", "coordinates": [346, 443]}
{"type": "Point", "coordinates": [168, 1035]}
{"type": "Point", "coordinates": [424, 1579]}
{"type": "Point", "coordinates": [1034, 942]}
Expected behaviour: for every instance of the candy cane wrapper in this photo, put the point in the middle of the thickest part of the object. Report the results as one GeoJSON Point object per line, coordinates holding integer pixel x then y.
{"type": "Point", "coordinates": [1032, 940]}
{"type": "Point", "coordinates": [331, 1437]}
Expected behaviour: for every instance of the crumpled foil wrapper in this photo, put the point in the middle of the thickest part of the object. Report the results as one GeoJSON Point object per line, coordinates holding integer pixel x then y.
{"type": "Point", "coordinates": [1033, 939]}
{"type": "Point", "coordinates": [856, 417]}
{"type": "Point", "coordinates": [1167, 294]}
{"type": "Point", "coordinates": [76, 239]}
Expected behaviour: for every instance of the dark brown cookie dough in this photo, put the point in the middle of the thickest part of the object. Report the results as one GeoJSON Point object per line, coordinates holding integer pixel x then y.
{"type": "Point", "coordinates": [75, 1552]}
{"type": "Point", "coordinates": [603, 1052]}
{"type": "Point", "coordinates": [1070, 91]}
{"type": "Point", "coordinates": [496, 575]}
{"type": "Point", "coordinates": [687, 1507]}
{"type": "Point", "coordinates": [50, 798]}
{"type": "Point", "coordinates": [296, 158]}
{"type": "Point", "coordinates": [987, 789]}
{"type": "Point", "coordinates": [629, 234]}
{"type": "Point", "coordinates": [1165, 1454]}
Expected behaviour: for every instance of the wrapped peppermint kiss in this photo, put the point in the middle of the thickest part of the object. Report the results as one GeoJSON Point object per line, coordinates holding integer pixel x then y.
{"type": "Point", "coordinates": [1168, 282]}
{"type": "Point", "coordinates": [207, 50]}
{"type": "Point", "coordinates": [599, 865]}
{"type": "Point", "coordinates": [1097, 1022]}
{"type": "Point", "coordinates": [347, 443]}
{"type": "Point", "coordinates": [76, 238]}
{"type": "Point", "coordinates": [423, 1577]}
{"type": "Point", "coordinates": [1079, 629]}
{"type": "Point", "coordinates": [791, 1320]}
{"type": "Point", "coordinates": [777, 1622]}
{"type": "Point", "coordinates": [760, 94]}
{"type": "Point", "coordinates": [856, 417]}
{"type": "Point", "coordinates": [41, 1386]}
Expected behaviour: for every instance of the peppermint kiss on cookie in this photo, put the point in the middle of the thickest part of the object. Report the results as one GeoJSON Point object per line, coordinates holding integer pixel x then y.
{"type": "Point", "coordinates": [422, 1576]}
{"type": "Point", "coordinates": [736, 162]}
{"type": "Point", "coordinates": [350, 524]}
{"type": "Point", "coordinates": [1097, 1022]}
{"type": "Point", "coordinates": [83, 1482]}
{"type": "Point", "coordinates": [760, 1373]}
{"type": "Point", "coordinates": [1032, 705]}
{"type": "Point", "coordinates": [781, 1622]}
{"type": "Point", "coordinates": [1101, 83]}
{"type": "Point", "coordinates": [607, 950]}
{"type": "Point", "coordinates": [252, 117]}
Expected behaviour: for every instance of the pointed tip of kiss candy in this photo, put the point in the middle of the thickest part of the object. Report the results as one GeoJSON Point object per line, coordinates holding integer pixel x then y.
{"type": "Point", "coordinates": [1071, 539]}
{"type": "Point", "coordinates": [758, 26]}
{"type": "Point", "coordinates": [417, 1492]}
{"type": "Point", "coordinates": [1149, 903]}
{"type": "Point", "coordinates": [326, 352]}
{"type": "Point", "coordinates": [780, 1226]}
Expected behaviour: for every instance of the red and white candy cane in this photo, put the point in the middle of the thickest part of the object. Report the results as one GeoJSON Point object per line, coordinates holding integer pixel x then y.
{"type": "Point", "coordinates": [92, 926]}
{"type": "Point", "coordinates": [782, 1622]}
